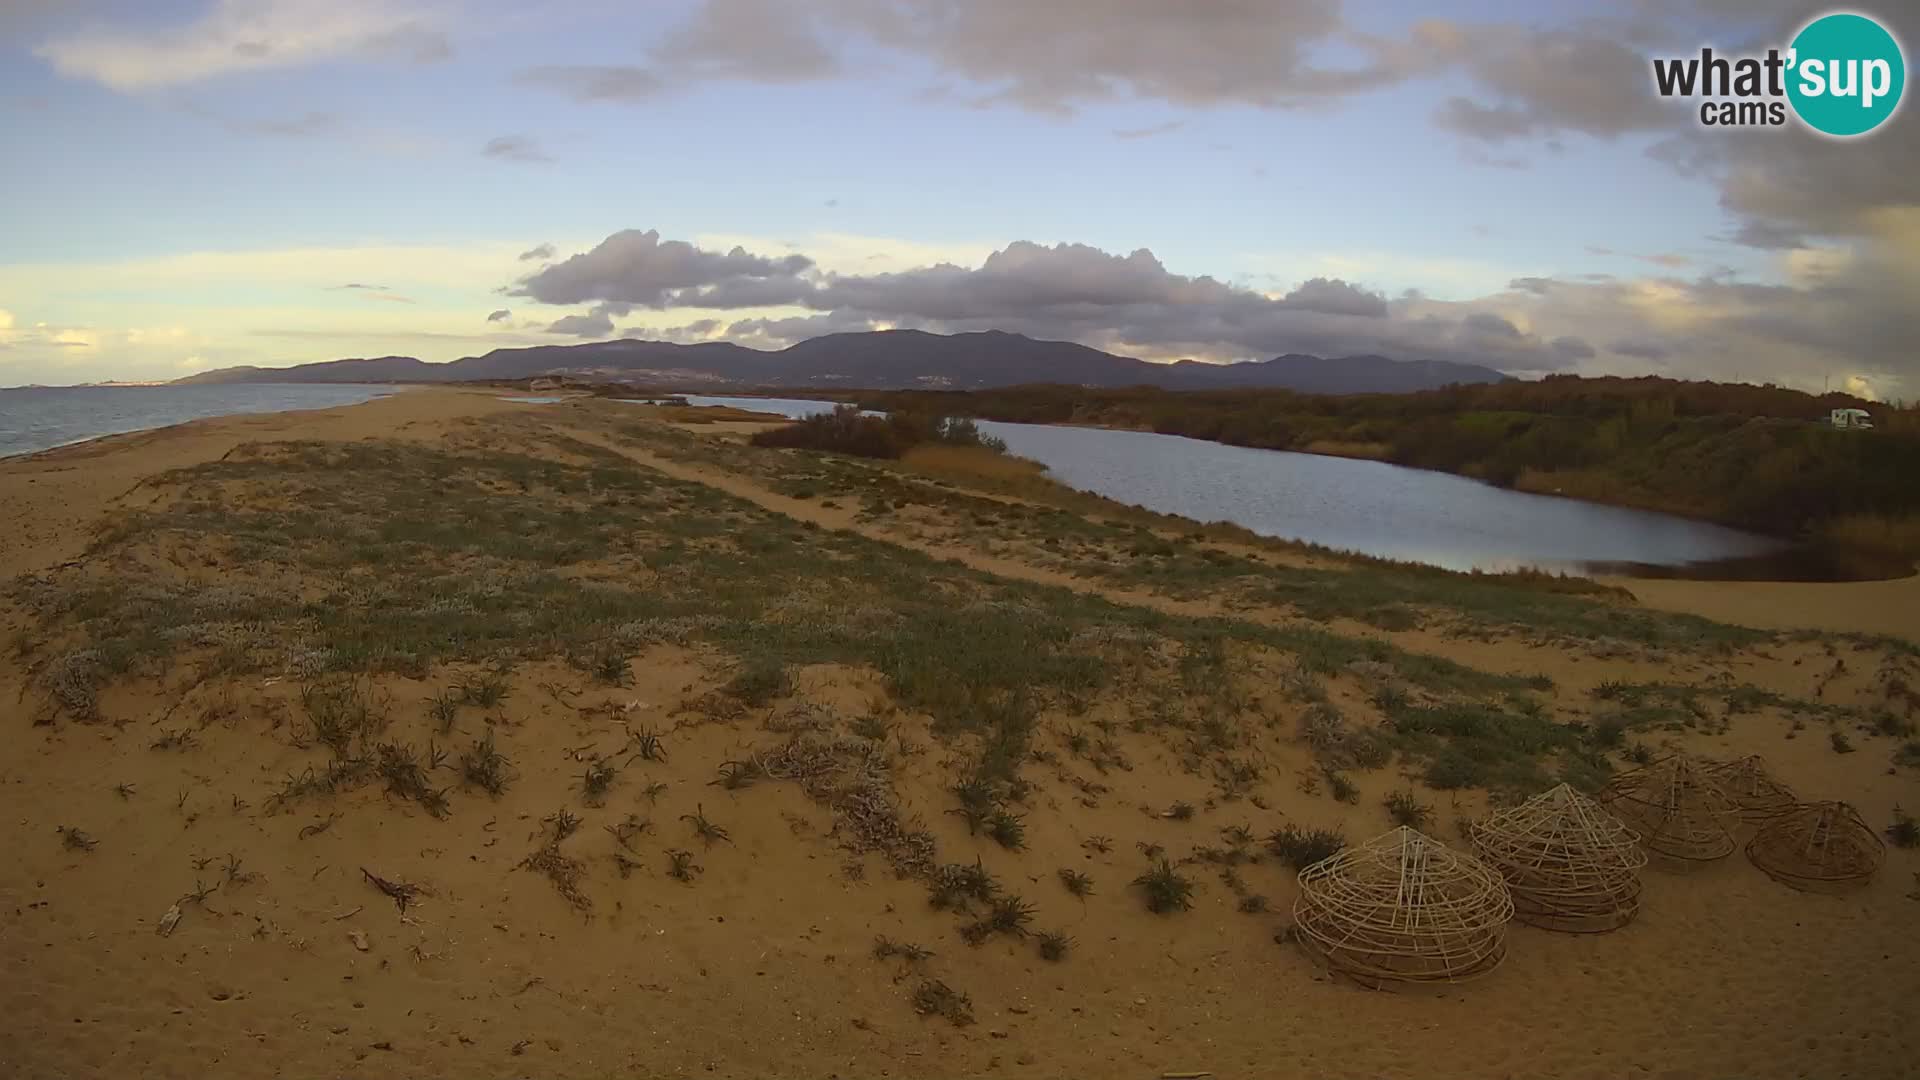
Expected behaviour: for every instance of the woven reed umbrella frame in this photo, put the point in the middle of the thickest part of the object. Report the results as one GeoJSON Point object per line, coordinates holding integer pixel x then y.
{"type": "Point", "coordinates": [1570, 865]}
{"type": "Point", "coordinates": [1757, 796]}
{"type": "Point", "coordinates": [1818, 847]}
{"type": "Point", "coordinates": [1676, 808]}
{"type": "Point", "coordinates": [1403, 908]}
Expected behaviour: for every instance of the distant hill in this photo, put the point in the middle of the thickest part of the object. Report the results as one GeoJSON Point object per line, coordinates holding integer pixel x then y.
{"type": "Point", "coordinates": [883, 360]}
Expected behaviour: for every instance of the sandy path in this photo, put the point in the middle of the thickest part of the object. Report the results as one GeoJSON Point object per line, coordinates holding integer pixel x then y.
{"type": "Point", "coordinates": [1868, 607]}
{"type": "Point", "coordinates": [846, 520]}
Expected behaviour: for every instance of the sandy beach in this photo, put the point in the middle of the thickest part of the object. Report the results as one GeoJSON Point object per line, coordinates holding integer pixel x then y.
{"type": "Point", "coordinates": [213, 763]}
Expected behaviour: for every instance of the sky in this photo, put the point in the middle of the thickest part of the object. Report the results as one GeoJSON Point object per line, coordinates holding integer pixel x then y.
{"type": "Point", "coordinates": [193, 184]}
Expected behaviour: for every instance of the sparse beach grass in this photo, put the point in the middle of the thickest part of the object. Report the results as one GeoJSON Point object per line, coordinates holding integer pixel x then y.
{"type": "Point", "coordinates": [567, 708]}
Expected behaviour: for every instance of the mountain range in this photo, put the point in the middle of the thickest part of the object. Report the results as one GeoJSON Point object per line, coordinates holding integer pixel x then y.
{"type": "Point", "coordinates": [880, 360]}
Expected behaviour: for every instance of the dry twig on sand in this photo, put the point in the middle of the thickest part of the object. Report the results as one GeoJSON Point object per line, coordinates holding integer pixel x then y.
{"type": "Point", "coordinates": [403, 893]}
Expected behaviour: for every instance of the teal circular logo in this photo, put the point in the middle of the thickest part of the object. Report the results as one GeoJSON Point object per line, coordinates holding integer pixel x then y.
{"type": "Point", "coordinates": [1846, 74]}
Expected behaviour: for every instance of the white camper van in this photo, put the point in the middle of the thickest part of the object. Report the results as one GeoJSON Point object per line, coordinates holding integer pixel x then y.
{"type": "Point", "coordinates": [1851, 420]}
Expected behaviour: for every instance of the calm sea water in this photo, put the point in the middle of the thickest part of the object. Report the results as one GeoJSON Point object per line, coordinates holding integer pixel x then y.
{"type": "Point", "coordinates": [40, 418]}
{"type": "Point", "coordinates": [1367, 506]}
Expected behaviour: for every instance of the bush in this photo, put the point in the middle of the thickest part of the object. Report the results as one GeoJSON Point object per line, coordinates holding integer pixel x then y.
{"type": "Point", "coordinates": [1406, 810]}
{"type": "Point", "coordinates": [1301, 848]}
{"type": "Point", "coordinates": [1166, 889]}
{"type": "Point", "coordinates": [1904, 832]}
{"type": "Point", "coordinates": [846, 430]}
{"type": "Point", "coordinates": [843, 431]}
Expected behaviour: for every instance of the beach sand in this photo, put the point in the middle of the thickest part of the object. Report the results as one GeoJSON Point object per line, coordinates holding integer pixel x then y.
{"type": "Point", "coordinates": [294, 964]}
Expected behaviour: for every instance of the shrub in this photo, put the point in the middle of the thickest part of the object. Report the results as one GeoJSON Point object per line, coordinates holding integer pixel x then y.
{"type": "Point", "coordinates": [1343, 789]}
{"type": "Point", "coordinates": [1406, 810]}
{"type": "Point", "coordinates": [1301, 848]}
{"type": "Point", "coordinates": [846, 430]}
{"type": "Point", "coordinates": [1076, 882]}
{"type": "Point", "coordinates": [758, 683]}
{"type": "Point", "coordinates": [1165, 888]}
{"type": "Point", "coordinates": [1904, 832]}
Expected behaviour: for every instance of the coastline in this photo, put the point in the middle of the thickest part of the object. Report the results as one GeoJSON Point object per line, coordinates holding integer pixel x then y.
{"type": "Point", "coordinates": [57, 495]}
{"type": "Point", "coordinates": [394, 389]}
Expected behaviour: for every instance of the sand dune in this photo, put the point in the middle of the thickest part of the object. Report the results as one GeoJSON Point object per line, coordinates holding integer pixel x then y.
{"type": "Point", "coordinates": [293, 963]}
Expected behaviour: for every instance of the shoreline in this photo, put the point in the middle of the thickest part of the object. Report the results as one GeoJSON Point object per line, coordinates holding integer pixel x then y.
{"type": "Point", "coordinates": [58, 503]}
{"type": "Point", "coordinates": [56, 496]}
{"type": "Point", "coordinates": [1788, 550]}
{"type": "Point", "coordinates": [25, 455]}
{"type": "Point", "coordinates": [1368, 452]}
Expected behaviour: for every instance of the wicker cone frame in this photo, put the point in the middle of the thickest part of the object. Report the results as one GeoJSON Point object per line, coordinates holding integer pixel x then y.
{"type": "Point", "coordinates": [1676, 808]}
{"type": "Point", "coordinates": [1818, 847]}
{"type": "Point", "coordinates": [1757, 796]}
{"type": "Point", "coordinates": [1403, 908]}
{"type": "Point", "coordinates": [1570, 865]}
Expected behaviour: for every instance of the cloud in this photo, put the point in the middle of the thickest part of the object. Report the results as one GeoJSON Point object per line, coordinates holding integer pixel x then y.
{"type": "Point", "coordinates": [1046, 57]}
{"type": "Point", "coordinates": [1149, 132]}
{"type": "Point", "coordinates": [1073, 291]}
{"type": "Point", "coordinates": [1843, 309]}
{"type": "Point", "coordinates": [1550, 81]}
{"type": "Point", "coordinates": [539, 251]}
{"type": "Point", "coordinates": [243, 35]}
{"type": "Point", "coordinates": [6, 320]}
{"type": "Point", "coordinates": [686, 334]}
{"type": "Point", "coordinates": [595, 324]}
{"type": "Point", "coordinates": [1570, 349]}
{"type": "Point", "coordinates": [755, 40]}
{"type": "Point", "coordinates": [1335, 297]}
{"type": "Point", "coordinates": [313, 123]}
{"type": "Point", "coordinates": [1490, 325]}
{"type": "Point", "coordinates": [1643, 350]}
{"type": "Point", "coordinates": [633, 269]}
{"type": "Point", "coordinates": [596, 83]}
{"type": "Point", "coordinates": [519, 148]}
{"type": "Point", "coordinates": [502, 315]}
{"type": "Point", "coordinates": [372, 292]}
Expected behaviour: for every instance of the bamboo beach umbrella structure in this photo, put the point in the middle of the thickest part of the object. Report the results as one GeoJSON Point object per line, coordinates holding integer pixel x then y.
{"type": "Point", "coordinates": [1570, 864]}
{"type": "Point", "coordinates": [1757, 796]}
{"type": "Point", "coordinates": [1403, 908]}
{"type": "Point", "coordinates": [1818, 847]}
{"type": "Point", "coordinates": [1676, 808]}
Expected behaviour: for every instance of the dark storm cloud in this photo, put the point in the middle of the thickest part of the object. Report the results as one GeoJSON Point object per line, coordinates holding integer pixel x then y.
{"type": "Point", "coordinates": [539, 251]}
{"type": "Point", "coordinates": [501, 315]}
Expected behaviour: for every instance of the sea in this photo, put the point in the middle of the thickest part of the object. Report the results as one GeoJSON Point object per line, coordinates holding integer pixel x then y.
{"type": "Point", "coordinates": [39, 418]}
